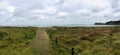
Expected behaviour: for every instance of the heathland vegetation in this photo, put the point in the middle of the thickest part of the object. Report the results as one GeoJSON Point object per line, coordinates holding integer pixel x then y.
{"type": "Point", "coordinates": [63, 40]}
{"type": "Point", "coordinates": [85, 40]}
{"type": "Point", "coordinates": [16, 41]}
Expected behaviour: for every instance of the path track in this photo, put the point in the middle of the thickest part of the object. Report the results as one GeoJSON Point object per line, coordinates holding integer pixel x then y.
{"type": "Point", "coordinates": [41, 42]}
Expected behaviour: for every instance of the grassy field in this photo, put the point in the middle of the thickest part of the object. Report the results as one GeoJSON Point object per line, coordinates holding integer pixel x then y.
{"type": "Point", "coordinates": [16, 41]}
{"type": "Point", "coordinates": [85, 40]}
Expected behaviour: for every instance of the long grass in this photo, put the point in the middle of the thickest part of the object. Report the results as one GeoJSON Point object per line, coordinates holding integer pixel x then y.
{"type": "Point", "coordinates": [16, 41]}
{"type": "Point", "coordinates": [86, 40]}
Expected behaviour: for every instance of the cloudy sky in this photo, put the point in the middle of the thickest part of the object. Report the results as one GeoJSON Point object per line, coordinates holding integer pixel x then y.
{"type": "Point", "coordinates": [47, 12]}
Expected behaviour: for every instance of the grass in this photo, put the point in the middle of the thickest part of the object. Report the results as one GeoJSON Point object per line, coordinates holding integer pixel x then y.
{"type": "Point", "coordinates": [16, 41]}
{"type": "Point", "coordinates": [85, 40]}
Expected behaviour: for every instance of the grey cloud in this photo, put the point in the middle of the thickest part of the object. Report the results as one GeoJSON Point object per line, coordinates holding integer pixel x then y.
{"type": "Point", "coordinates": [114, 3]}
{"type": "Point", "coordinates": [49, 10]}
{"type": "Point", "coordinates": [96, 9]}
{"type": "Point", "coordinates": [116, 10]}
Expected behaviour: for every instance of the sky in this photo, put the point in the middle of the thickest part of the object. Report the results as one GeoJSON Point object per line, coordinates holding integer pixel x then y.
{"type": "Point", "coordinates": [57, 12]}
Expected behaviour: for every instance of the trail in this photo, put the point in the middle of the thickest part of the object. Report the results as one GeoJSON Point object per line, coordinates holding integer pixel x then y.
{"type": "Point", "coordinates": [41, 42]}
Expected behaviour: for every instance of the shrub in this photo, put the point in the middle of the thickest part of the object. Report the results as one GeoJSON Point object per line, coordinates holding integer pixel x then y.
{"type": "Point", "coordinates": [2, 34]}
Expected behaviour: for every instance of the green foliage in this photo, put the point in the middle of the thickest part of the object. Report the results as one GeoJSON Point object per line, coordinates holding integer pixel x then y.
{"type": "Point", "coordinates": [2, 34]}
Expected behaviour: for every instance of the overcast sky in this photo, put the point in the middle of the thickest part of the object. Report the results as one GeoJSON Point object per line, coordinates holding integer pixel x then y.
{"type": "Point", "coordinates": [44, 12]}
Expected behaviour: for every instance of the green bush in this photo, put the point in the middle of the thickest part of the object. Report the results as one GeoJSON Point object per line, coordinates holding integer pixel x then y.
{"type": "Point", "coordinates": [2, 34]}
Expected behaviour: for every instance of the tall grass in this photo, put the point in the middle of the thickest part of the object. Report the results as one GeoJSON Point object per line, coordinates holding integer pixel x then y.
{"type": "Point", "coordinates": [16, 41]}
{"type": "Point", "coordinates": [86, 40]}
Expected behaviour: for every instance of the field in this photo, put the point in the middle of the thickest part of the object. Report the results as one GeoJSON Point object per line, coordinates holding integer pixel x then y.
{"type": "Point", "coordinates": [63, 40]}
{"type": "Point", "coordinates": [16, 41]}
{"type": "Point", "coordinates": [85, 40]}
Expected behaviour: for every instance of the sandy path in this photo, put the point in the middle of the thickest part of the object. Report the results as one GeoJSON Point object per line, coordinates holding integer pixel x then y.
{"type": "Point", "coordinates": [41, 42]}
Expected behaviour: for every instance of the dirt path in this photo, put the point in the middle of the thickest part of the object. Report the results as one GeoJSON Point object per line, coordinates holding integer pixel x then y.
{"type": "Point", "coordinates": [41, 42]}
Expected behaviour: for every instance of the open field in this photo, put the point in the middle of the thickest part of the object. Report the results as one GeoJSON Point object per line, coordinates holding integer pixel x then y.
{"type": "Point", "coordinates": [16, 41]}
{"type": "Point", "coordinates": [85, 40]}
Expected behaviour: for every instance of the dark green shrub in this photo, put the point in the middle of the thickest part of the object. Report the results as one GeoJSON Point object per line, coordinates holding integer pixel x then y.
{"type": "Point", "coordinates": [2, 34]}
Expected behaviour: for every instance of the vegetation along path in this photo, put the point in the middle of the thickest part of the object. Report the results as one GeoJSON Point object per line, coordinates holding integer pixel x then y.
{"type": "Point", "coordinates": [41, 42]}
